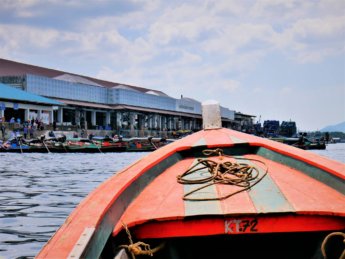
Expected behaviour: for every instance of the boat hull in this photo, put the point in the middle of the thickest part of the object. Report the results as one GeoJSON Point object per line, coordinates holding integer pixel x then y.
{"type": "Point", "coordinates": [299, 192]}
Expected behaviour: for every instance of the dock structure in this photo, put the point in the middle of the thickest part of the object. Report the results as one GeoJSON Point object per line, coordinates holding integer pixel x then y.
{"type": "Point", "coordinates": [94, 104]}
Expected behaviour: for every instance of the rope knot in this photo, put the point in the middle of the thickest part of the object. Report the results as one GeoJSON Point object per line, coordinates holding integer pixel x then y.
{"type": "Point", "coordinates": [139, 248]}
{"type": "Point", "coordinates": [217, 151]}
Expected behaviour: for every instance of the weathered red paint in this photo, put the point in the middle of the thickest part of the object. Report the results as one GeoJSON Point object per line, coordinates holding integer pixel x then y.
{"type": "Point", "coordinates": [219, 226]}
{"type": "Point", "coordinates": [159, 210]}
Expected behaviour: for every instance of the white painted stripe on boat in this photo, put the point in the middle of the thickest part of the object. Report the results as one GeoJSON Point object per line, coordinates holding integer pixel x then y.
{"type": "Point", "coordinates": [200, 142]}
{"type": "Point", "coordinates": [237, 140]}
{"type": "Point", "coordinates": [266, 195]}
{"type": "Point", "coordinates": [80, 246]}
{"type": "Point", "coordinates": [201, 207]}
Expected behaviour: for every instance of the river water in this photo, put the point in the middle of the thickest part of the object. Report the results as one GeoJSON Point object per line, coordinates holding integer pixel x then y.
{"type": "Point", "coordinates": [38, 192]}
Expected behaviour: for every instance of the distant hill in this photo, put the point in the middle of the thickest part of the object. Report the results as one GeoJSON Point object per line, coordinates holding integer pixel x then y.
{"type": "Point", "coordinates": [338, 127]}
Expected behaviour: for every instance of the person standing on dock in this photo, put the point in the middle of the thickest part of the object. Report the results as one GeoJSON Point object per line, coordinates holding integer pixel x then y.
{"type": "Point", "coordinates": [25, 130]}
{"type": "Point", "coordinates": [31, 131]}
{"type": "Point", "coordinates": [3, 131]}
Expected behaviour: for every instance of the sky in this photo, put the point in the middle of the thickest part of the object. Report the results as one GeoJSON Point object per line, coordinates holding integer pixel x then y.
{"type": "Point", "coordinates": [275, 59]}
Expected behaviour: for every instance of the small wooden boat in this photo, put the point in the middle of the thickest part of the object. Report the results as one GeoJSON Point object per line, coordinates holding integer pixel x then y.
{"type": "Point", "coordinates": [148, 144]}
{"type": "Point", "coordinates": [217, 193]}
{"type": "Point", "coordinates": [303, 143]}
{"type": "Point", "coordinates": [85, 145]}
{"type": "Point", "coordinates": [311, 145]}
{"type": "Point", "coordinates": [20, 145]}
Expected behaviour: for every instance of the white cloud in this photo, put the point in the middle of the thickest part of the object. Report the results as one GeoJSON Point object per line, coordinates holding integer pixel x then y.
{"type": "Point", "coordinates": [15, 4]}
{"type": "Point", "coordinates": [257, 90]}
{"type": "Point", "coordinates": [230, 85]}
{"type": "Point", "coordinates": [232, 38]}
{"type": "Point", "coordinates": [287, 90]}
{"type": "Point", "coordinates": [311, 40]}
{"type": "Point", "coordinates": [222, 28]}
{"type": "Point", "coordinates": [268, 7]}
{"type": "Point", "coordinates": [190, 48]}
{"type": "Point", "coordinates": [25, 36]}
{"type": "Point", "coordinates": [227, 7]}
{"type": "Point", "coordinates": [20, 8]}
{"type": "Point", "coordinates": [189, 22]}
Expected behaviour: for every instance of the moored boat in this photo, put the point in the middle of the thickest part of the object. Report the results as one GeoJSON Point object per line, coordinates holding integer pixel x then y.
{"type": "Point", "coordinates": [19, 145]}
{"type": "Point", "coordinates": [83, 145]}
{"type": "Point", "coordinates": [301, 142]}
{"type": "Point", "coordinates": [217, 192]}
{"type": "Point", "coordinates": [98, 145]}
{"type": "Point", "coordinates": [142, 144]}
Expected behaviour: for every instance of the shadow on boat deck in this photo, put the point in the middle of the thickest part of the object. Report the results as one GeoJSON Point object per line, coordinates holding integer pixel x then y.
{"type": "Point", "coordinates": [282, 245]}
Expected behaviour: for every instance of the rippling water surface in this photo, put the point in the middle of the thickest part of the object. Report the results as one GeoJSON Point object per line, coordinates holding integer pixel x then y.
{"type": "Point", "coordinates": [38, 192]}
{"type": "Point", "coordinates": [333, 151]}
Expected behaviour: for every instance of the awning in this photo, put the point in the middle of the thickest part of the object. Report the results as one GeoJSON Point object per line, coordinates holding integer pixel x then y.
{"type": "Point", "coordinates": [11, 93]}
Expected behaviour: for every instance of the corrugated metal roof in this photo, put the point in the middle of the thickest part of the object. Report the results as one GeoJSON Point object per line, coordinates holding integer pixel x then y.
{"type": "Point", "coordinates": [11, 93]}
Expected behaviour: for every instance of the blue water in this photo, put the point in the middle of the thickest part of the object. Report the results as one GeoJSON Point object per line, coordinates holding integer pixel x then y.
{"type": "Point", "coordinates": [38, 192]}
{"type": "Point", "coordinates": [333, 151]}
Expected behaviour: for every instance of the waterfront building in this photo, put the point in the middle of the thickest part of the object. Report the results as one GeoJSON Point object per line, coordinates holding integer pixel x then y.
{"type": "Point", "coordinates": [288, 129]}
{"type": "Point", "coordinates": [90, 103]}
{"type": "Point", "coordinates": [244, 122]}
{"type": "Point", "coordinates": [17, 106]}
{"type": "Point", "coordinates": [271, 128]}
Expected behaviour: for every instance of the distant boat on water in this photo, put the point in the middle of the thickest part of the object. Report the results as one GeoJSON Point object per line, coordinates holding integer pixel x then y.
{"type": "Point", "coordinates": [302, 142]}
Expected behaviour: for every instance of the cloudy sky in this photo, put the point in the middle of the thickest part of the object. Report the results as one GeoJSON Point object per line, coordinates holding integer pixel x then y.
{"type": "Point", "coordinates": [276, 59]}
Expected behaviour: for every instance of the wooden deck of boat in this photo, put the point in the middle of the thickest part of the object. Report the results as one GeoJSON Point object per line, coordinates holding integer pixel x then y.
{"type": "Point", "coordinates": [283, 192]}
